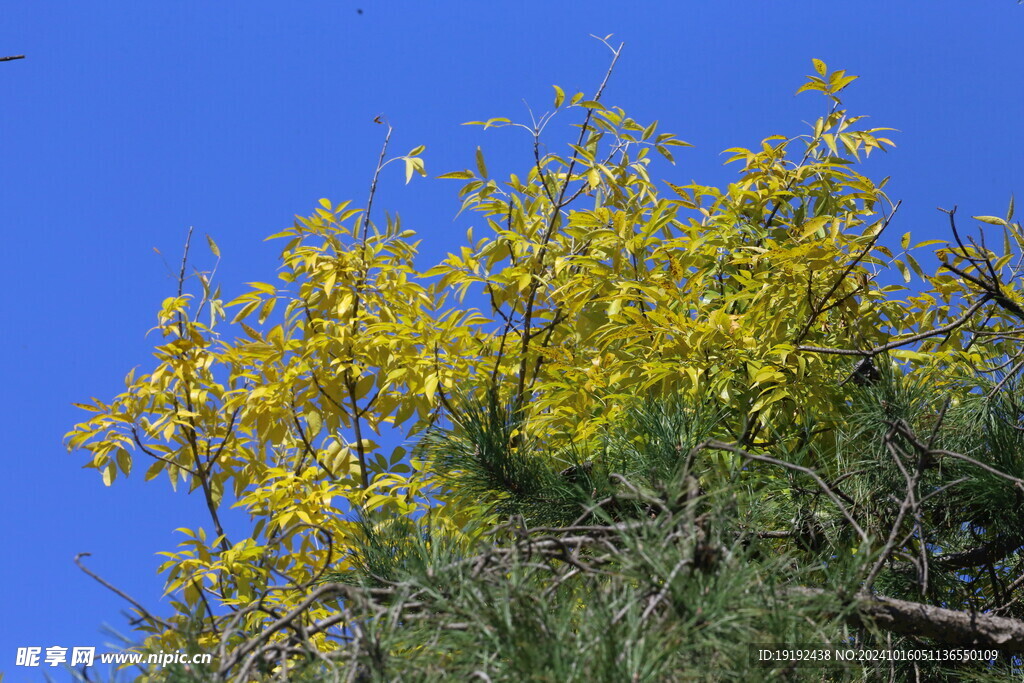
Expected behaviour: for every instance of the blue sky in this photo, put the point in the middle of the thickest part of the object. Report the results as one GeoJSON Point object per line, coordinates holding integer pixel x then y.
{"type": "Point", "coordinates": [128, 122]}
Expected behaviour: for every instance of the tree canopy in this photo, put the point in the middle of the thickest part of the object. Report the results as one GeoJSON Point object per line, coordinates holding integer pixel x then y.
{"type": "Point", "coordinates": [628, 431]}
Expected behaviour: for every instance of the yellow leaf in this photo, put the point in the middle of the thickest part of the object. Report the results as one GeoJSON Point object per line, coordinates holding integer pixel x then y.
{"type": "Point", "coordinates": [124, 461]}
{"type": "Point", "coordinates": [830, 141]}
{"type": "Point", "coordinates": [332, 277]}
{"type": "Point", "coordinates": [345, 305]}
{"type": "Point", "coordinates": [813, 226]}
{"type": "Point", "coordinates": [313, 424]}
{"type": "Point", "coordinates": [991, 220]}
{"type": "Point", "coordinates": [456, 175]}
{"type": "Point", "coordinates": [266, 309]}
{"type": "Point", "coordinates": [364, 385]}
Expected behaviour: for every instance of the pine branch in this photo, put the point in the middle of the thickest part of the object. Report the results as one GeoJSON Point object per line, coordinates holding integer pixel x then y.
{"type": "Point", "coordinates": [946, 626]}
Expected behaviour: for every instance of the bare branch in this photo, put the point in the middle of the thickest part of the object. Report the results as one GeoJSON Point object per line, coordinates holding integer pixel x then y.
{"type": "Point", "coordinates": [109, 586]}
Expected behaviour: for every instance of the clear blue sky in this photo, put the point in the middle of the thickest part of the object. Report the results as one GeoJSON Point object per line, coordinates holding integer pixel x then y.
{"type": "Point", "coordinates": [130, 121]}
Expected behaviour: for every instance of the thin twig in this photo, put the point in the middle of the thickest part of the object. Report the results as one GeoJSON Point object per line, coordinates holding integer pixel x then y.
{"type": "Point", "coordinates": [109, 586]}
{"type": "Point", "coordinates": [373, 187]}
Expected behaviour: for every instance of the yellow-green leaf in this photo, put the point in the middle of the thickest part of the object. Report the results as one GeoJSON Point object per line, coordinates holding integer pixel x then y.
{"type": "Point", "coordinates": [214, 249]}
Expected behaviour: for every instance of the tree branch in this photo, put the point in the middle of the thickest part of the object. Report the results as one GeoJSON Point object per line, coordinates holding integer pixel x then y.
{"type": "Point", "coordinates": [947, 626]}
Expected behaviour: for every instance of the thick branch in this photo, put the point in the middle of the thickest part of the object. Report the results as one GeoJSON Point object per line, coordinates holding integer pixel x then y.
{"type": "Point", "coordinates": [947, 626]}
